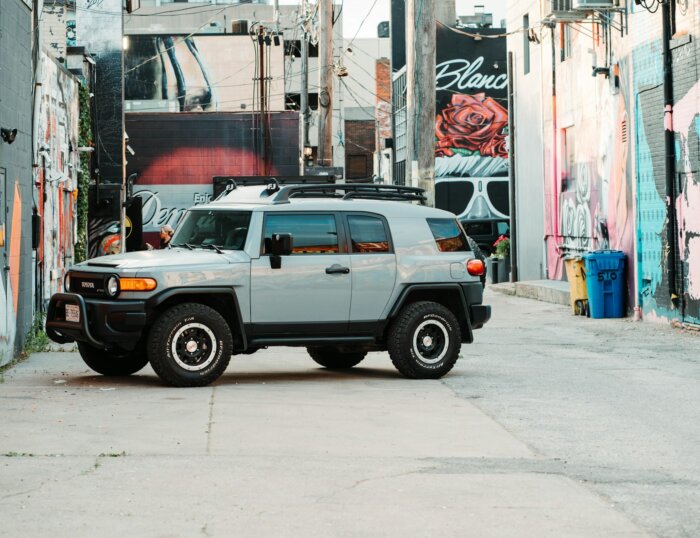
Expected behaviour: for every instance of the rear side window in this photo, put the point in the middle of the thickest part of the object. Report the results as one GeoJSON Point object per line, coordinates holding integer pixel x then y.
{"type": "Point", "coordinates": [311, 233]}
{"type": "Point", "coordinates": [368, 234]}
{"type": "Point", "coordinates": [449, 237]}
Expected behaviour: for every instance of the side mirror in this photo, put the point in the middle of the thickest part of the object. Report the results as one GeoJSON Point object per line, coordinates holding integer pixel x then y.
{"type": "Point", "coordinates": [280, 245]}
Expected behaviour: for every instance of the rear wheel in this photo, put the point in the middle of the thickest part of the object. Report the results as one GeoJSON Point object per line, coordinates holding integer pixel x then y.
{"type": "Point", "coordinates": [424, 340]}
{"type": "Point", "coordinates": [334, 358]}
{"type": "Point", "coordinates": [190, 345]}
{"type": "Point", "coordinates": [113, 363]}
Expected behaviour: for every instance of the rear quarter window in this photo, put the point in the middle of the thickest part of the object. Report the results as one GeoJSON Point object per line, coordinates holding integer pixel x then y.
{"type": "Point", "coordinates": [448, 235]}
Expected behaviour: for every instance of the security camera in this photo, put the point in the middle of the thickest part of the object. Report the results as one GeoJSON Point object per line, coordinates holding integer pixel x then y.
{"type": "Point", "coordinates": [8, 135]}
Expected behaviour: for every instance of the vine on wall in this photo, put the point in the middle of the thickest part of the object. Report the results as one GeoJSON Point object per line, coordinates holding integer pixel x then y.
{"type": "Point", "coordinates": [84, 140]}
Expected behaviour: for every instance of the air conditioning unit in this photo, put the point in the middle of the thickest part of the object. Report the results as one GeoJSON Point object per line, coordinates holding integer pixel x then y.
{"type": "Point", "coordinates": [597, 5]}
{"type": "Point", "coordinates": [562, 11]}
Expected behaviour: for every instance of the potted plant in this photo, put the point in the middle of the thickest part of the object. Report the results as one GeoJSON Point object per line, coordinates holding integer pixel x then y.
{"type": "Point", "coordinates": [502, 252]}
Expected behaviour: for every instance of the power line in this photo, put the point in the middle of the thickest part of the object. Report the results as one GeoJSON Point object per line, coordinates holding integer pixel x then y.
{"type": "Point", "coordinates": [362, 23]}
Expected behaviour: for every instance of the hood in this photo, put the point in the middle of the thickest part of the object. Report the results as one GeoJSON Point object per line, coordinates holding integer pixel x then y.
{"type": "Point", "coordinates": [167, 258]}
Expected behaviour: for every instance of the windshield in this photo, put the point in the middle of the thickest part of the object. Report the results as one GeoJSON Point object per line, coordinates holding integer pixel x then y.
{"type": "Point", "coordinates": [226, 230]}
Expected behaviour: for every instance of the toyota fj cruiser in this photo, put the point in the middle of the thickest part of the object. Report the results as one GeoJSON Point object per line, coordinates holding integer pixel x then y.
{"type": "Point", "coordinates": [340, 269]}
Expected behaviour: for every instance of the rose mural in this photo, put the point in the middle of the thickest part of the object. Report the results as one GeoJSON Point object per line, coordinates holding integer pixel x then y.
{"type": "Point", "coordinates": [472, 124]}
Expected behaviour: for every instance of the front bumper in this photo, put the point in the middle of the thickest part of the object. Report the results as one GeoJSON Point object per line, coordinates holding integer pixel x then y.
{"type": "Point", "coordinates": [104, 324]}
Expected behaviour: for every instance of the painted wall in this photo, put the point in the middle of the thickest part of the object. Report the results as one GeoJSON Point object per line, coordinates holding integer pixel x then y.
{"type": "Point", "coordinates": [16, 269]}
{"type": "Point", "coordinates": [471, 124]}
{"type": "Point", "coordinates": [601, 141]}
{"type": "Point", "coordinates": [56, 174]}
{"type": "Point", "coordinates": [655, 297]}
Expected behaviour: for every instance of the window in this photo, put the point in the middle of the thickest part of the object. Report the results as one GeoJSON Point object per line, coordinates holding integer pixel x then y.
{"type": "Point", "coordinates": [565, 33]}
{"type": "Point", "coordinates": [225, 229]}
{"type": "Point", "coordinates": [368, 234]}
{"type": "Point", "coordinates": [293, 48]}
{"type": "Point", "coordinates": [526, 44]}
{"type": "Point", "coordinates": [448, 235]}
{"type": "Point", "coordinates": [311, 234]}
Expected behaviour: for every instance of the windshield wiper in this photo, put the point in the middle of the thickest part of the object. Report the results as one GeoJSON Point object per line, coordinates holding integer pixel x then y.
{"type": "Point", "coordinates": [184, 245]}
{"type": "Point", "coordinates": [215, 247]}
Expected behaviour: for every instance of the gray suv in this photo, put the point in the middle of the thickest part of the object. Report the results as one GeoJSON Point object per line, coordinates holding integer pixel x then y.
{"type": "Point", "coordinates": [339, 269]}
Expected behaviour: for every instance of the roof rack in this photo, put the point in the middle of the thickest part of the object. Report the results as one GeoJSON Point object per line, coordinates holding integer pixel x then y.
{"type": "Point", "coordinates": [227, 184]}
{"type": "Point", "coordinates": [347, 191]}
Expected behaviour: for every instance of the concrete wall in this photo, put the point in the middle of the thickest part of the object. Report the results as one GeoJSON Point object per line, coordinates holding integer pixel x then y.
{"type": "Point", "coordinates": [529, 146]}
{"type": "Point", "coordinates": [16, 290]}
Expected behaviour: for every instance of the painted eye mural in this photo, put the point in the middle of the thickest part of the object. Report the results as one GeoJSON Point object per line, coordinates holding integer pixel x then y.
{"type": "Point", "coordinates": [471, 130]}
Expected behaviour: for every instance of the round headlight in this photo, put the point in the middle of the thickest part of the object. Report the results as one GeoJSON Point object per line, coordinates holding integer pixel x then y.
{"type": "Point", "coordinates": [66, 282]}
{"type": "Point", "coordinates": [112, 286]}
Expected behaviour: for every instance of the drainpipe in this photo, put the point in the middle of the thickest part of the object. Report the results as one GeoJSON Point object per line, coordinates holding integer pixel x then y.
{"type": "Point", "coordinates": [511, 167]}
{"type": "Point", "coordinates": [670, 150]}
{"type": "Point", "coordinates": [555, 145]}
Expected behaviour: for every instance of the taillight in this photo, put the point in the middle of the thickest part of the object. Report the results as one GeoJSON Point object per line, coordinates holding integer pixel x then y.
{"type": "Point", "coordinates": [475, 267]}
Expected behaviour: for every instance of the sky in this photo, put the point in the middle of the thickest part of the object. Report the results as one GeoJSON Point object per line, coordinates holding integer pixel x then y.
{"type": "Point", "coordinates": [353, 18]}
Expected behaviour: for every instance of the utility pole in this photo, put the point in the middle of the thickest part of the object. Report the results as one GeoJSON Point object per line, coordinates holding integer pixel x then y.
{"type": "Point", "coordinates": [325, 97]}
{"type": "Point", "coordinates": [304, 104]}
{"type": "Point", "coordinates": [420, 95]}
{"type": "Point", "coordinates": [264, 139]}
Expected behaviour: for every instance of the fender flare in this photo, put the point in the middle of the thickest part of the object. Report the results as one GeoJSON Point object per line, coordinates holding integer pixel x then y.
{"type": "Point", "coordinates": [157, 300]}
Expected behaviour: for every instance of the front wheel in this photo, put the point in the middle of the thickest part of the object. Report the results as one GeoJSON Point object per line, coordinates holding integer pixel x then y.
{"type": "Point", "coordinates": [424, 340]}
{"type": "Point", "coordinates": [190, 345]}
{"type": "Point", "coordinates": [113, 363]}
{"type": "Point", "coordinates": [335, 359]}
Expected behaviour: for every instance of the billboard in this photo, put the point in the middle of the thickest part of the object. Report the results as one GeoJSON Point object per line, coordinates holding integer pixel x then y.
{"type": "Point", "coordinates": [471, 124]}
{"type": "Point", "coordinates": [176, 157]}
{"type": "Point", "coordinates": [202, 73]}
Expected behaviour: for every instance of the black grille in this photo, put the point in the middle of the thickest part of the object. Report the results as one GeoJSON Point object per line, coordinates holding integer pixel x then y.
{"type": "Point", "coordinates": [88, 285]}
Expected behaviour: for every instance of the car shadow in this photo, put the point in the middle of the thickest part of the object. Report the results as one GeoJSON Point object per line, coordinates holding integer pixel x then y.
{"type": "Point", "coordinates": [148, 379]}
{"type": "Point", "coordinates": [316, 375]}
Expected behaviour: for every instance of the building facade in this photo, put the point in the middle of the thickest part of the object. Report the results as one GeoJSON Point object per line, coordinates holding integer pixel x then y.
{"type": "Point", "coordinates": [590, 122]}
{"type": "Point", "coordinates": [17, 271]}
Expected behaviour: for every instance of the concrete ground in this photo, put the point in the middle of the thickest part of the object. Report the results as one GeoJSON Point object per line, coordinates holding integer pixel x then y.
{"type": "Point", "coordinates": [551, 425]}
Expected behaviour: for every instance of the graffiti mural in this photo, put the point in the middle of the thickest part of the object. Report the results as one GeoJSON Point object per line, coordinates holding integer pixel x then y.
{"type": "Point", "coordinates": [198, 73]}
{"type": "Point", "coordinates": [56, 176]}
{"type": "Point", "coordinates": [176, 157]}
{"type": "Point", "coordinates": [471, 126]}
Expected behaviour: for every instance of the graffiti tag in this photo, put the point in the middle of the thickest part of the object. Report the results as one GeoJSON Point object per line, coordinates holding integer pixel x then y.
{"type": "Point", "coordinates": [466, 75]}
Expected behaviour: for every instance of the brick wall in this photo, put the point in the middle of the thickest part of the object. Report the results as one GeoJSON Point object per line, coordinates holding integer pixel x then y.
{"type": "Point", "coordinates": [359, 148]}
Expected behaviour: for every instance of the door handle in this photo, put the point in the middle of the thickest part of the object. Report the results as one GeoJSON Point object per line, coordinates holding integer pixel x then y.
{"type": "Point", "coordinates": [336, 269]}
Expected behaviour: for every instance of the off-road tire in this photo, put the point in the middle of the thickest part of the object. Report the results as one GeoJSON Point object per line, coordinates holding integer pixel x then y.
{"type": "Point", "coordinates": [208, 333]}
{"type": "Point", "coordinates": [424, 321]}
{"type": "Point", "coordinates": [334, 359]}
{"type": "Point", "coordinates": [114, 363]}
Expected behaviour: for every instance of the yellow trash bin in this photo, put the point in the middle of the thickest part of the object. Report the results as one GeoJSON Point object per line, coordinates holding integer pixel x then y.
{"type": "Point", "coordinates": [576, 275]}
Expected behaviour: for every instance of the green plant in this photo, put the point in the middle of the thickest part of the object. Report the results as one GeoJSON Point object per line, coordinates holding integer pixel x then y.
{"type": "Point", "coordinates": [502, 245]}
{"type": "Point", "coordinates": [37, 340]}
{"type": "Point", "coordinates": [84, 140]}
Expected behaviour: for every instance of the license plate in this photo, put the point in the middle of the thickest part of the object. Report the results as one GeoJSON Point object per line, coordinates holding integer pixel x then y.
{"type": "Point", "coordinates": [72, 313]}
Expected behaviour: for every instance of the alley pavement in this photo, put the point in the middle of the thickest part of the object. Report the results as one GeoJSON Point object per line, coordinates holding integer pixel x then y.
{"type": "Point", "coordinates": [550, 425]}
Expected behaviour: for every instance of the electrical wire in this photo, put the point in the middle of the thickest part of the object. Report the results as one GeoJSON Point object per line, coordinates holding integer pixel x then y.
{"type": "Point", "coordinates": [362, 23]}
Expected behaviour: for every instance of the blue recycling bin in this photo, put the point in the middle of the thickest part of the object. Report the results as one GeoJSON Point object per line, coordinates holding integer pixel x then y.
{"type": "Point", "coordinates": [605, 283]}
